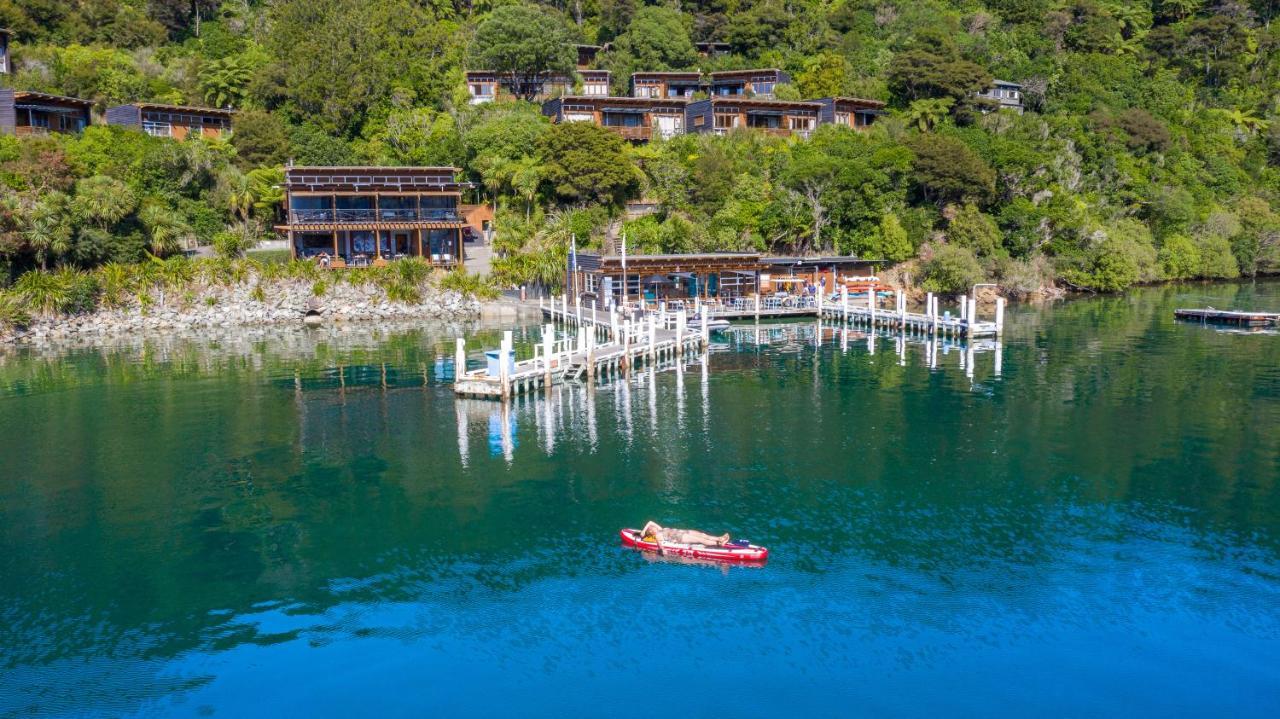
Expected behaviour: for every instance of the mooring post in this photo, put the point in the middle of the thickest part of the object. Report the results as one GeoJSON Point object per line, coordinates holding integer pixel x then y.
{"type": "Point", "coordinates": [548, 348]}
{"type": "Point", "coordinates": [999, 315]}
{"type": "Point", "coordinates": [697, 306]}
{"type": "Point", "coordinates": [459, 360]}
{"type": "Point", "coordinates": [679, 329]}
{"type": "Point", "coordinates": [844, 302]}
{"type": "Point", "coordinates": [564, 309]}
{"type": "Point", "coordinates": [964, 307]}
{"type": "Point", "coordinates": [577, 309]}
{"type": "Point", "coordinates": [757, 305]}
{"type": "Point", "coordinates": [653, 335]}
{"type": "Point", "coordinates": [504, 373]}
{"type": "Point", "coordinates": [871, 304]}
{"type": "Point", "coordinates": [973, 311]}
{"type": "Point", "coordinates": [706, 332]}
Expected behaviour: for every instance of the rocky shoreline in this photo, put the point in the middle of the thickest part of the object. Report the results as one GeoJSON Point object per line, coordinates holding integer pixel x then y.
{"type": "Point", "coordinates": [280, 303]}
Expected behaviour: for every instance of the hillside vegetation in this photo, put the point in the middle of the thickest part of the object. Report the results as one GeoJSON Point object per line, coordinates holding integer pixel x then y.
{"type": "Point", "coordinates": [1150, 149]}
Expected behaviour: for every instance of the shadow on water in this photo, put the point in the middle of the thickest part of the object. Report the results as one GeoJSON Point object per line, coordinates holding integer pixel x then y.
{"type": "Point", "coordinates": [176, 510]}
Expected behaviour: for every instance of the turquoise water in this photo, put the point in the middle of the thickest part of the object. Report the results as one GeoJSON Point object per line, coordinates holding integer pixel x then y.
{"type": "Point", "coordinates": [300, 523]}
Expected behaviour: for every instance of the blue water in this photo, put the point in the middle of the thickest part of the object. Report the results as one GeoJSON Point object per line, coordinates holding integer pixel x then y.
{"type": "Point", "coordinates": [311, 525]}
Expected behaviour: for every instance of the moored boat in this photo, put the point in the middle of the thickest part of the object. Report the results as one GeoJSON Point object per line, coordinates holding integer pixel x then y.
{"type": "Point", "coordinates": [739, 551]}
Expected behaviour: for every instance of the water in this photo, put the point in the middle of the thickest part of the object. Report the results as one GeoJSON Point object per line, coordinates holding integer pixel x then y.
{"type": "Point", "coordinates": [300, 523]}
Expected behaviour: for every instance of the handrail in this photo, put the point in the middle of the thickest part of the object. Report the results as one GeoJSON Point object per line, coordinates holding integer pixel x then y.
{"type": "Point", "coordinates": [302, 217]}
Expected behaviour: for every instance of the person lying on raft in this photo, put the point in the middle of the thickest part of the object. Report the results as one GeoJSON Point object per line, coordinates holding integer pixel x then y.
{"type": "Point", "coordinates": [672, 535]}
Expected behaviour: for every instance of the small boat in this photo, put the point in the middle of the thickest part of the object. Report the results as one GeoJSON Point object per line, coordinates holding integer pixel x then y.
{"type": "Point", "coordinates": [695, 324]}
{"type": "Point", "coordinates": [736, 551]}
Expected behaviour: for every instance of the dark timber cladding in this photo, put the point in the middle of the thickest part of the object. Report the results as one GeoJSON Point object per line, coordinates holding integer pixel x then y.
{"type": "Point", "coordinates": [368, 215]}
{"type": "Point", "coordinates": [176, 121]}
{"type": "Point", "coordinates": [852, 112]}
{"type": "Point", "coordinates": [633, 118]}
{"type": "Point", "coordinates": [714, 274]}
{"type": "Point", "coordinates": [38, 113]}
{"type": "Point", "coordinates": [776, 117]}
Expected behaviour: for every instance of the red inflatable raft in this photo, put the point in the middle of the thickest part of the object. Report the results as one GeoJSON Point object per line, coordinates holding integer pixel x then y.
{"type": "Point", "coordinates": [728, 553]}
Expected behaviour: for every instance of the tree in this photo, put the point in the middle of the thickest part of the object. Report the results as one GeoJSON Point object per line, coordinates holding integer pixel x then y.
{"type": "Point", "coordinates": [1179, 258]}
{"type": "Point", "coordinates": [887, 241]}
{"type": "Point", "coordinates": [526, 44]}
{"type": "Point", "coordinates": [657, 38]}
{"type": "Point", "coordinates": [225, 82]}
{"type": "Point", "coordinates": [167, 231]}
{"type": "Point", "coordinates": [825, 75]}
{"type": "Point", "coordinates": [950, 269]}
{"type": "Point", "coordinates": [48, 228]}
{"type": "Point", "coordinates": [585, 163]}
{"type": "Point", "coordinates": [260, 139]}
{"type": "Point", "coordinates": [926, 114]}
{"type": "Point", "coordinates": [974, 229]}
{"type": "Point", "coordinates": [946, 170]}
{"type": "Point", "coordinates": [922, 73]}
{"type": "Point", "coordinates": [811, 172]}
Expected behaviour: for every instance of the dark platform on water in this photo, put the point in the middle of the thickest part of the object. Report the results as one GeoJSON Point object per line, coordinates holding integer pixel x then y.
{"type": "Point", "coordinates": [1228, 317]}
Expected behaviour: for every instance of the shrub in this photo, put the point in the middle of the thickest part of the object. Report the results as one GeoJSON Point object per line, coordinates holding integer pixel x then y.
{"type": "Point", "coordinates": [1216, 260]}
{"type": "Point", "coordinates": [1179, 258]}
{"type": "Point", "coordinates": [950, 269]}
{"type": "Point", "coordinates": [43, 292]}
{"type": "Point", "coordinates": [318, 288]}
{"type": "Point", "coordinates": [13, 312]}
{"type": "Point", "coordinates": [469, 285]}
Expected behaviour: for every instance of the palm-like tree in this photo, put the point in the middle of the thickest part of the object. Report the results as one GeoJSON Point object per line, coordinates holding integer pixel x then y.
{"type": "Point", "coordinates": [225, 82]}
{"type": "Point", "coordinates": [239, 193]}
{"type": "Point", "coordinates": [47, 229]}
{"type": "Point", "coordinates": [928, 113]}
{"type": "Point", "coordinates": [526, 178]}
{"type": "Point", "coordinates": [167, 230]}
{"type": "Point", "coordinates": [103, 201]}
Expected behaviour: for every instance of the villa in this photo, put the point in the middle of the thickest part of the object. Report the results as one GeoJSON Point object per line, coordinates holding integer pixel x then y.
{"type": "Point", "coordinates": [635, 119]}
{"type": "Point", "coordinates": [775, 117]}
{"type": "Point", "coordinates": [356, 216]}
{"type": "Point", "coordinates": [37, 113]}
{"type": "Point", "coordinates": [853, 112]}
{"type": "Point", "coordinates": [176, 121]}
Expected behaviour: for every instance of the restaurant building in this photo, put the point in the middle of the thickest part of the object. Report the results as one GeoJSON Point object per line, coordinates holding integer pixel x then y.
{"type": "Point", "coordinates": [356, 216]}
{"type": "Point", "coordinates": [722, 275]}
{"type": "Point", "coordinates": [176, 121]}
{"type": "Point", "coordinates": [36, 113]}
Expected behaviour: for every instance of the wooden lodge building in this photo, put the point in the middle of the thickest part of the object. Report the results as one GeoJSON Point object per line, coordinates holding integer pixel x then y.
{"type": "Point", "coordinates": [776, 117]}
{"type": "Point", "coordinates": [635, 119]}
{"type": "Point", "coordinates": [853, 112]}
{"type": "Point", "coordinates": [712, 275]}
{"type": "Point", "coordinates": [747, 83]}
{"type": "Point", "coordinates": [678, 85]}
{"type": "Point", "coordinates": [37, 113]}
{"type": "Point", "coordinates": [355, 216]}
{"type": "Point", "coordinates": [176, 121]}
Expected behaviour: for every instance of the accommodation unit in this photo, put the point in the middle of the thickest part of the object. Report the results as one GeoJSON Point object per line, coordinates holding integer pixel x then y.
{"type": "Point", "coordinates": [1003, 95]}
{"type": "Point", "coordinates": [595, 82]}
{"type": "Point", "coordinates": [716, 274]}
{"type": "Point", "coordinates": [777, 117]}
{"type": "Point", "coordinates": [487, 86]}
{"type": "Point", "coordinates": [368, 215]}
{"type": "Point", "coordinates": [37, 113]}
{"type": "Point", "coordinates": [636, 119]}
{"type": "Point", "coordinates": [176, 121]}
{"type": "Point", "coordinates": [712, 49]}
{"type": "Point", "coordinates": [852, 112]}
{"type": "Point", "coordinates": [5, 64]}
{"type": "Point", "coordinates": [665, 84]}
{"type": "Point", "coordinates": [827, 274]}
{"type": "Point", "coordinates": [747, 83]}
{"type": "Point", "coordinates": [587, 55]}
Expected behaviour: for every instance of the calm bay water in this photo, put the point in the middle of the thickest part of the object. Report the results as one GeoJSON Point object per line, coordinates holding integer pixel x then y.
{"type": "Point", "coordinates": [300, 523]}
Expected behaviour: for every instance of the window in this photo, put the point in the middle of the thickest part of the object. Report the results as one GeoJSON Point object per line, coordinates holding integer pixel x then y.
{"type": "Point", "coordinates": [726, 121]}
{"type": "Point", "coordinates": [762, 88]}
{"type": "Point", "coordinates": [579, 116]}
{"type": "Point", "coordinates": [801, 123]}
{"type": "Point", "coordinates": [481, 89]}
{"type": "Point", "coordinates": [439, 207]}
{"type": "Point", "coordinates": [842, 118]}
{"type": "Point", "coordinates": [157, 129]}
{"type": "Point", "coordinates": [623, 119]}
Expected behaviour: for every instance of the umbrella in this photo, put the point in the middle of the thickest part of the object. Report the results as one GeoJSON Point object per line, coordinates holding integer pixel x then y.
{"type": "Point", "coordinates": [656, 280]}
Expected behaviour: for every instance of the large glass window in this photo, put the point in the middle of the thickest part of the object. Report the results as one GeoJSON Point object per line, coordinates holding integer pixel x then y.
{"type": "Point", "coordinates": [310, 208]}
{"type": "Point", "coordinates": [726, 121]}
{"type": "Point", "coordinates": [442, 244]}
{"type": "Point", "coordinates": [398, 208]}
{"type": "Point", "coordinates": [439, 207]}
{"type": "Point", "coordinates": [623, 119]}
{"type": "Point", "coordinates": [354, 208]}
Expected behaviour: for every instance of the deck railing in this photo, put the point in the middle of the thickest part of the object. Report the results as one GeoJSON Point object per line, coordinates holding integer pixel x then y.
{"type": "Point", "coordinates": [312, 217]}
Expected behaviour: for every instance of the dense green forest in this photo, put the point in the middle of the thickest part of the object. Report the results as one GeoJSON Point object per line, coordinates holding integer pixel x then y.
{"type": "Point", "coordinates": [1150, 149]}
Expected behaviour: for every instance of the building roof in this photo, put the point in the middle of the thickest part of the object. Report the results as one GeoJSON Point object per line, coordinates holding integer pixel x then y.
{"type": "Point", "coordinates": [641, 102]}
{"type": "Point", "coordinates": [763, 103]}
{"type": "Point", "coordinates": [732, 74]}
{"type": "Point", "coordinates": [680, 257]}
{"type": "Point", "coordinates": [875, 104]}
{"type": "Point", "coordinates": [821, 260]}
{"type": "Point", "coordinates": [183, 108]}
{"type": "Point", "coordinates": [388, 169]}
{"type": "Point", "coordinates": [1005, 83]}
{"type": "Point", "coordinates": [690, 74]}
{"type": "Point", "coordinates": [28, 96]}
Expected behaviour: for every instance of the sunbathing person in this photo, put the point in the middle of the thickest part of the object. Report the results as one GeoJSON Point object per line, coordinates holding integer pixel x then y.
{"type": "Point", "coordinates": [681, 536]}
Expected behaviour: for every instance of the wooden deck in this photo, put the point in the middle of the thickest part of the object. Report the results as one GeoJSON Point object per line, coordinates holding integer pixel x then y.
{"type": "Point", "coordinates": [1227, 317]}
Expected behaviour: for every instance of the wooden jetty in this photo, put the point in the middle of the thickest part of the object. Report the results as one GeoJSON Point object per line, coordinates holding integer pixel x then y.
{"type": "Point", "coordinates": [1210, 315]}
{"type": "Point", "coordinates": [865, 310]}
{"type": "Point", "coordinates": [587, 346]}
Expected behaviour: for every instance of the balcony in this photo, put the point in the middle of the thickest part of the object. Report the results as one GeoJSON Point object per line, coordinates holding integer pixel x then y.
{"type": "Point", "coordinates": [634, 134]}
{"type": "Point", "coordinates": [368, 216]}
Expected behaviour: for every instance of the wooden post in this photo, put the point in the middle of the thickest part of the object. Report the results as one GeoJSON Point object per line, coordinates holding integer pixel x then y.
{"type": "Point", "coordinates": [844, 302]}
{"type": "Point", "coordinates": [964, 306]}
{"type": "Point", "coordinates": [757, 302]}
{"type": "Point", "coordinates": [577, 308]}
{"type": "Point", "coordinates": [973, 310]}
{"type": "Point", "coordinates": [459, 360]}
{"type": "Point", "coordinates": [999, 317]}
{"type": "Point", "coordinates": [504, 375]}
{"type": "Point", "coordinates": [564, 309]}
{"type": "Point", "coordinates": [871, 303]}
{"type": "Point", "coordinates": [613, 323]}
{"type": "Point", "coordinates": [706, 332]}
{"type": "Point", "coordinates": [902, 310]}
{"type": "Point", "coordinates": [653, 335]}
{"type": "Point", "coordinates": [548, 348]}
{"type": "Point", "coordinates": [679, 330]}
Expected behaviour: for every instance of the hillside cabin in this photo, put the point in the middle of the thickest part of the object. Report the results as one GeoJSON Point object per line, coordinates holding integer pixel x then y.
{"type": "Point", "coordinates": [176, 121]}
{"type": "Point", "coordinates": [712, 49]}
{"type": "Point", "coordinates": [356, 216]}
{"type": "Point", "coordinates": [587, 55]}
{"type": "Point", "coordinates": [635, 119]}
{"type": "Point", "coordinates": [1003, 95]}
{"type": "Point", "coordinates": [6, 66]}
{"type": "Point", "coordinates": [679, 85]}
{"type": "Point", "coordinates": [853, 112]}
{"type": "Point", "coordinates": [36, 113]}
{"type": "Point", "coordinates": [486, 86]}
{"type": "Point", "coordinates": [722, 275]}
{"type": "Point", "coordinates": [776, 117]}
{"type": "Point", "coordinates": [747, 83]}
{"type": "Point", "coordinates": [595, 83]}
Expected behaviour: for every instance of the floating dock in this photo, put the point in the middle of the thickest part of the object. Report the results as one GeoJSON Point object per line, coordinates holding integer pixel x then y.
{"type": "Point", "coordinates": [1209, 315]}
